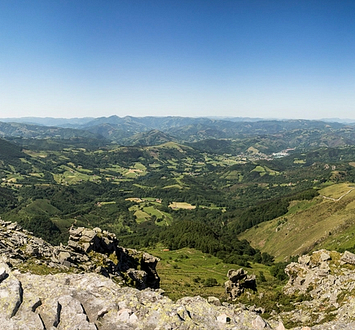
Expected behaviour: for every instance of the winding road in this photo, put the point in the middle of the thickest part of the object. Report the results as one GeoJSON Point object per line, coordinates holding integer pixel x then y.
{"type": "Point", "coordinates": [338, 199]}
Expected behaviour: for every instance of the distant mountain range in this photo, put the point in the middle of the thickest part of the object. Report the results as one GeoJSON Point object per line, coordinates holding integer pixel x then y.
{"type": "Point", "coordinates": [230, 135]}
{"type": "Point", "coordinates": [76, 122]}
{"type": "Point", "coordinates": [48, 121]}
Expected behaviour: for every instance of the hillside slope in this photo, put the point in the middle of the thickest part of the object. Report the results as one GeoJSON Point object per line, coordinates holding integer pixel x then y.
{"type": "Point", "coordinates": [327, 221]}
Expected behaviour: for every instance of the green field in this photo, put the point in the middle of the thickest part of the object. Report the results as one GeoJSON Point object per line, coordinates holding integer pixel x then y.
{"type": "Point", "coordinates": [181, 205]}
{"type": "Point", "coordinates": [184, 273]}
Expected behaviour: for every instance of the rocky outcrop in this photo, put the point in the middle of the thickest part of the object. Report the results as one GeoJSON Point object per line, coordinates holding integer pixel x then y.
{"type": "Point", "coordinates": [238, 281]}
{"type": "Point", "coordinates": [88, 250]}
{"type": "Point", "coordinates": [323, 275]}
{"type": "Point", "coordinates": [139, 267]}
{"type": "Point", "coordinates": [91, 301]}
{"type": "Point", "coordinates": [88, 289]}
{"type": "Point", "coordinates": [325, 280]}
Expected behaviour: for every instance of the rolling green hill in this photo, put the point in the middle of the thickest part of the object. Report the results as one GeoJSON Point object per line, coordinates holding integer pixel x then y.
{"type": "Point", "coordinates": [327, 221]}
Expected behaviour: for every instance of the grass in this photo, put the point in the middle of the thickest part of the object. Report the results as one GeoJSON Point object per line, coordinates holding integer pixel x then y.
{"type": "Point", "coordinates": [64, 224]}
{"type": "Point", "coordinates": [37, 175]}
{"type": "Point", "coordinates": [259, 169]}
{"type": "Point", "coordinates": [141, 216]}
{"type": "Point", "coordinates": [336, 190]}
{"type": "Point", "coordinates": [184, 272]}
{"type": "Point", "coordinates": [153, 211]}
{"type": "Point", "coordinates": [39, 269]}
{"type": "Point", "coordinates": [253, 150]}
{"type": "Point", "coordinates": [163, 218]}
{"type": "Point", "coordinates": [140, 166]}
{"type": "Point", "coordinates": [107, 203]}
{"type": "Point", "coordinates": [71, 176]}
{"type": "Point", "coordinates": [298, 206]}
{"type": "Point", "coordinates": [145, 208]}
{"type": "Point", "coordinates": [42, 205]}
{"type": "Point", "coordinates": [115, 169]}
{"type": "Point", "coordinates": [262, 170]}
{"type": "Point", "coordinates": [299, 161]}
{"type": "Point", "coordinates": [233, 175]}
{"type": "Point", "coordinates": [344, 240]}
{"type": "Point", "coordinates": [308, 225]}
{"type": "Point", "coordinates": [181, 205]}
{"type": "Point", "coordinates": [35, 154]}
{"type": "Point", "coordinates": [134, 199]}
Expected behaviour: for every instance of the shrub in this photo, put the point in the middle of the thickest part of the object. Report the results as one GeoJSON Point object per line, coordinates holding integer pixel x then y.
{"type": "Point", "coordinates": [209, 282]}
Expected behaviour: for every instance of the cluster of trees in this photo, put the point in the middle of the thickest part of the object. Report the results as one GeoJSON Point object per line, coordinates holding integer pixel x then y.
{"type": "Point", "coordinates": [42, 226]}
{"type": "Point", "coordinates": [202, 236]}
{"type": "Point", "coordinates": [8, 199]}
{"type": "Point", "coordinates": [267, 211]}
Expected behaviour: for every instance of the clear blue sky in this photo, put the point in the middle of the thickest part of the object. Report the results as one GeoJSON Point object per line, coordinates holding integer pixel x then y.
{"type": "Point", "coordinates": [250, 58]}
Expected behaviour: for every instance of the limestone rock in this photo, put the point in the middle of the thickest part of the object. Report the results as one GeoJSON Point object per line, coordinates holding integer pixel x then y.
{"type": "Point", "coordinates": [326, 284]}
{"type": "Point", "coordinates": [93, 302]}
{"type": "Point", "coordinates": [73, 315]}
{"type": "Point", "coordinates": [260, 324]}
{"type": "Point", "coordinates": [82, 299]}
{"type": "Point", "coordinates": [139, 277]}
{"type": "Point", "coordinates": [280, 326]}
{"type": "Point", "coordinates": [348, 258]}
{"type": "Point", "coordinates": [214, 301]}
{"type": "Point", "coordinates": [87, 250]}
{"type": "Point", "coordinates": [223, 318]}
{"type": "Point", "coordinates": [238, 282]}
{"type": "Point", "coordinates": [10, 294]}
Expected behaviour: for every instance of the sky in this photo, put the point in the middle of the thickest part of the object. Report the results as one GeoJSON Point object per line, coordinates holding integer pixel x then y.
{"type": "Point", "coordinates": [251, 58]}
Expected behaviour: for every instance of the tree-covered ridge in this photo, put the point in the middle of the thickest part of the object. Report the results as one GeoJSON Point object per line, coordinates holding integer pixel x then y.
{"type": "Point", "coordinates": [42, 132]}
{"type": "Point", "coordinates": [10, 154]}
{"type": "Point", "coordinates": [267, 136]}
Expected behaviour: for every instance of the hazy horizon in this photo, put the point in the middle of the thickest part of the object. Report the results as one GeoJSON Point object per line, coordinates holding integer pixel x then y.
{"type": "Point", "coordinates": [73, 119]}
{"type": "Point", "coordinates": [265, 59]}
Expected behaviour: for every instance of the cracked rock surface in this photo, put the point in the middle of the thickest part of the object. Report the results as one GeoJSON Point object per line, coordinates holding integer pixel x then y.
{"type": "Point", "coordinates": [91, 301]}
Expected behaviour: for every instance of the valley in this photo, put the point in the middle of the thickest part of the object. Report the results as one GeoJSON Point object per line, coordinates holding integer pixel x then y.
{"type": "Point", "coordinates": [257, 197]}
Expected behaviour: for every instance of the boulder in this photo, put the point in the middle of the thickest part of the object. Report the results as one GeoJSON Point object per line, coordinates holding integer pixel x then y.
{"type": "Point", "coordinates": [260, 323]}
{"type": "Point", "coordinates": [239, 280]}
{"type": "Point", "coordinates": [348, 258]}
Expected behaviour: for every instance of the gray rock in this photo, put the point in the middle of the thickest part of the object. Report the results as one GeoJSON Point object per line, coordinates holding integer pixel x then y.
{"type": "Point", "coordinates": [3, 272]}
{"type": "Point", "coordinates": [236, 275]}
{"type": "Point", "coordinates": [214, 301]}
{"type": "Point", "coordinates": [10, 294]}
{"type": "Point", "coordinates": [87, 250]}
{"type": "Point", "coordinates": [324, 256]}
{"type": "Point", "coordinates": [238, 282]}
{"type": "Point", "coordinates": [64, 256]}
{"type": "Point", "coordinates": [139, 277]}
{"type": "Point", "coordinates": [72, 315]}
{"type": "Point", "coordinates": [280, 326]}
{"type": "Point", "coordinates": [259, 323]}
{"type": "Point", "coordinates": [348, 258]}
{"type": "Point", "coordinates": [223, 318]}
{"type": "Point", "coordinates": [91, 301]}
